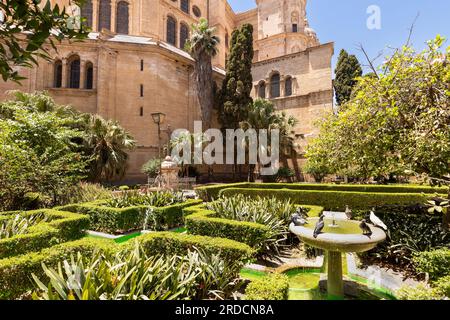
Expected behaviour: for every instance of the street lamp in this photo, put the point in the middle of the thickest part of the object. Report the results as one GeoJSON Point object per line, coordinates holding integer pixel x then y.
{"type": "Point", "coordinates": [158, 118]}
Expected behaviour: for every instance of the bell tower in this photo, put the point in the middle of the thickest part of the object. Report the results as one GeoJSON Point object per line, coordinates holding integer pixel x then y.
{"type": "Point", "coordinates": [283, 28]}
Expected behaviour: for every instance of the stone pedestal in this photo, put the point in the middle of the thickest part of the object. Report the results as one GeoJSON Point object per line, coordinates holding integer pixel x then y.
{"type": "Point", "coordinates": [169, 174]}
{"type": "Point", "coordinates": [335, 284]}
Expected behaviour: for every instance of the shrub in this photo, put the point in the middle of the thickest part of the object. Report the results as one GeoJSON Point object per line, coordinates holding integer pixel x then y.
{"type": "Point", "coordinates": [136, 198]}
{"type": "Point", "coordinates": [411, 230]}
{"type": "Point", "coordinates": [120, 220]}
{"type": "Point", "coordinates": [435, 263]}
{"type": "Point", "coordinates": [331, 200]}
{"type": "Point", "coordinates": [421, 292]}
{"type": "Point", "coordinates": [151, 168]}
{"type": "Point", "coordinates": [275, 286]}
{"type": "Point", "coordinates": [55, 227]}
{"type": "Point", "coordinates": [86, 192]}
{"type": "Point", "coordinates": [261, 223]}
{"type": "Point", "coordinates": [442, 286]}
{"type": "Point", "coordinates": [15, 272]}
{"type": "Point", "coordinates": [212, 192]}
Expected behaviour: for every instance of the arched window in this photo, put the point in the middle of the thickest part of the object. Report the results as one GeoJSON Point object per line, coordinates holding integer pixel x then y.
{"type": "Point", "coordinates": [262, 90]}
{"type": "Point", "coordinates": [122, 18]}
{"type": "Point", "coordinates": [57, 74]}
{"type": "Point", "coordinates": [171, 31]}
{"type": "Point", "coordinates": [288, 87]}
{"type": "Point", "coordinates": [104, 16]}
{"type": "Point", "coordinates": [74, 73]}
{"type": "Point", "coordinates": [275, 86]}
{"type": "Point", "coordinates": [184, 35]}
{"type": "Point", "coordinates": [86, 12]}
{"type": "Point", "coordinates": [89, 82]}
{"type": "Point", "coordinates": [184, 5]}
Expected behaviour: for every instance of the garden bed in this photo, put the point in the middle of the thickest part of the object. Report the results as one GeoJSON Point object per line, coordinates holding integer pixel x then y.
{"type": "Point", "coordinates": [54, 227]}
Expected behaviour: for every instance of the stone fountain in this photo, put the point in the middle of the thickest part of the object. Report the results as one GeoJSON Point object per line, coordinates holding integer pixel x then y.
{"type": "Point", "coordinates": [338, 236]}
{"type": "Point", "coordinates": [168, 177]}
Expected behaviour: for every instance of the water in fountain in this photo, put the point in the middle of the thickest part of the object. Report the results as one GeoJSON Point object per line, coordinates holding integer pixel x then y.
{"type": "Point", "coordinates": [148, 212]}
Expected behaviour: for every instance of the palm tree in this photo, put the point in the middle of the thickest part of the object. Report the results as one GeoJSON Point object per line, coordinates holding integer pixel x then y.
{"type": "Point", "coordinates": [262, 115]}
{"type": "Point", "coordinates": [107, 143]}
{"type": "Point", "coordinates": [203, 46]}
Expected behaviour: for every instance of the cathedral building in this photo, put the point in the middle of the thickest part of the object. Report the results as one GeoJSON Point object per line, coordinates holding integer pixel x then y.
{"type": "Point", "coordinates": [133, 64]}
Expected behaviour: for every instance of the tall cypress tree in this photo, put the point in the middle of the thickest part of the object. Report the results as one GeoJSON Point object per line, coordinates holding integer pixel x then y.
{"type": "Point", "coordinates": [234, 97]}
{"type": "Point", "coordinates": [347, 70]}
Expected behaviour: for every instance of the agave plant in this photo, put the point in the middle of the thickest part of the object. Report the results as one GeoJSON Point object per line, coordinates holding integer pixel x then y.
{"type": "Point", "coordinates": [153, 199]}
{"type": "Point", "coordinates": [132, 275]}
{"type": "Point", "coordinates": [270, 212]}
{"type": "Point", "coordinates": [19, 224]}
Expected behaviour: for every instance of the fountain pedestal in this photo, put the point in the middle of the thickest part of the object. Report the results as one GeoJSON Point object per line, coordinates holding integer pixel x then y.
{"type": "Point", "coordinates": [335, 281]}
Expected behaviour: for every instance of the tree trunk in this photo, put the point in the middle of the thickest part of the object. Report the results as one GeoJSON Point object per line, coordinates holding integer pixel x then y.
{"type": "Point", "coordinates": [204, 87]}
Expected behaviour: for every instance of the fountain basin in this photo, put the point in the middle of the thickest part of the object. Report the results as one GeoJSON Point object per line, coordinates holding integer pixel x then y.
{"type": "Point", "coordinates": [347, 237]}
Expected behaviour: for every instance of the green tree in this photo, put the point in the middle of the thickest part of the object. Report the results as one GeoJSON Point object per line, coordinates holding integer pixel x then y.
{"type": "Point", "coordinates": [107, 144]}
{"type": "Point", "coordinates": [234, 97]}
{"type": "Point", "coordinates": [27, 28]}
{"type": "Point", "coordinates": [396, 123]}
{"type": "Point", "coordinates": [203, 46]}
{"type": "Point", "coordinates": [348, 70]}
{"type": "Point", "coordinates": [263, 116]}
{"type": "Point", "coordinates": [38, 152]}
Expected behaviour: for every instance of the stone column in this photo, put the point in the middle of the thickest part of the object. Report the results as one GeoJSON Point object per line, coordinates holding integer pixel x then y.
{"type": "Point", "coordinates": [65, 72]}
{"type": "Point", "coordinates": [82, 74]}
{"type": "Point", "coordinates": [94, 78]}
{"type": "Point", "coordinates": [95, 4]}
{"type": "Point", "coordinates": [282, 87]}
{"type": "Point", "coordinates": [113, 15]}
{"type": "Point", "coordinates": [268, 88]}
{"type": "Point", "coordinates": [335, 283]}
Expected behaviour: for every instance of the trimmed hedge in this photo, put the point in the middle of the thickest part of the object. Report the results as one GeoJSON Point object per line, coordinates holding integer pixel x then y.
{"type": "Point", "coordinates": [15, 272]}
{"type": "Point", "coordinates": [208, 193]}
{"type": "Point", "coordinates": [61, 227]}
{"type": "Point", "coordinates": [202, 221]}
{"type": "Point", "coordinates": [332, 200]}
{"type": "Point", "coordinates": [121, 220]}
{"type": "Point", "coordinates": [435, 263]}
{"type": "Point", "coordinates": [274, 286]}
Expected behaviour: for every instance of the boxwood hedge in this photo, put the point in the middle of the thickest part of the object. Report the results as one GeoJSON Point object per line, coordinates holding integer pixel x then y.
{"type": "Point", "coordinates": [15, 272]}
{"type": "Point", "coordinates": [211, 192]}
{"type": "Point", "coordinates": [274, 286]}
{"type": "Point", "coordinates": [332, 200]}
{"type": "Point", "coordinates": [121, 220]}
{"type": "Point", "coordinates": [60, 227]}
{"type": "Point", "coordinates": [202, 221]}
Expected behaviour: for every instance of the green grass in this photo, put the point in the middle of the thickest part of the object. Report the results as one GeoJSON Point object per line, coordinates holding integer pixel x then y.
{"type": "Point", "coordinates": [250, 274]}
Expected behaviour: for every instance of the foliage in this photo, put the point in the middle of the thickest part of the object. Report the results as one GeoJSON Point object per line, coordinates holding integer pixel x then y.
{"type": "Point", "coordinates": [272, 287]}
{"type": "Point", "coordinates": [442, 285]}
{"type": "Point", "coordinates": [435, 263]}
{"type": "Point", "coordinates": [348, 70]}
{"type": "Point", "coordinates": [19, 224]}
{"type": "Point", "coordinates": [154, 199]}
{"type": "Point", "coordinates": [421, 292]}
{"type": "Point", "coordinates": [85, 192]}
{"type": "Point", "coordinates": [202, 45]}
{"type": "Point", "coordinates": [122, 220]}
{"type": "Point", "coordinates": [398, 120]}
{"type": "Point", "coordinates": [151, 168]}
{"type": "Point", "coordinates": [27, 28]}
{"type": "Point", "coordinates": [410, 234]}
{"type": "Point", "coordinates": [234, 97]}
{"type": "Point", "coordinates": [262, 115]}
{"type": "Point", "coordinates": [285, 173]}
{"type": "Point", "coordinates": [107, 143]}
{"type": "Point", "coordinates": [37, 149]}
{"type": "Point", "coordinates": [330, 200]}
{"type": "Point", "coordinates": [33, 230]}
{"type": "Point", "coordinates": [268, 212]}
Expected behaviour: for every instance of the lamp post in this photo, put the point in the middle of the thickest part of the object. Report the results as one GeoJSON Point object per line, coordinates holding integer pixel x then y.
{"type": "Point", "coordinates": [158, 118]}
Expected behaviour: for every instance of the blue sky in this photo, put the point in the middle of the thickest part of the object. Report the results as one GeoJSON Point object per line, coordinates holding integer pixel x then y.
{"type": "Point", "coordinates": [344, 22]}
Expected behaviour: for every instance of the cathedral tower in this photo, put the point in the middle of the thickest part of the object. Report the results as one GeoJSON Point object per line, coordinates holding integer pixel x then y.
{"type": "Point", "coordinates": [283, 28]}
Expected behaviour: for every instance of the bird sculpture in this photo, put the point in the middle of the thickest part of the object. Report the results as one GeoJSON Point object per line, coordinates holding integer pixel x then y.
{"type": "Point", "coordinates": [348, 213]}
{"type": "Point", "coordinates": [365, 228]}
{"type": "Point", "coordinates": [377, 221]}
{"type": "Point", "coordinates": [319, 227]}
{"type": "Point", "coordinates": [298, 220]}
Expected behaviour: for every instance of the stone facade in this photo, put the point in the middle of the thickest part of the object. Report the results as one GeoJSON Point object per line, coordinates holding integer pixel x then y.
{"type": "Point", "coordinates": [137, 66]}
